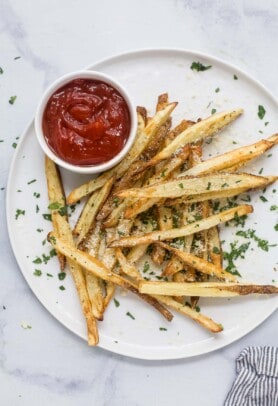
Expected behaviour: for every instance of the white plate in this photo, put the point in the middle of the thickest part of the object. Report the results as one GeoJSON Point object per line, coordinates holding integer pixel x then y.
{"type": "Point", "coordinates": [146, 74]}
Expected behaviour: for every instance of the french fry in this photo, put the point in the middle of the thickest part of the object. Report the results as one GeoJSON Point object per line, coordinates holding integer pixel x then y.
{"type": "Point", "coordinates": [214, 246]}
{"type": "Point", "coordinates": [90, 210]}
{"type": "Point", "coordinates": [192, 228]}
{"type": "Point", "coordinates": [94, 289]}
{"type": "Point", "coordinates": [89, 187]}
{"type": "Point", "coordinates": [56, 196]}
{"type": "Point", "coordinates": [198, 185]}
{"type": "Point", "coordinates": [162, 101]}
{"type": "Point", "coordinates": [165, 222]}
{"type": "Point", "coordinates": [94, 285]}
{"type": "Point", "coordinates": [200, 130]}
{"type": "Point", "coordinates": [205, 289]}
{"type": "Point", "coordinates": [79, 280]}
{"type": "Point", "coordinates": [200, 318]}
{"type": "Point", "coordinates": [200, 264]}
{"type": "Point", "coordinates": [229, 159]}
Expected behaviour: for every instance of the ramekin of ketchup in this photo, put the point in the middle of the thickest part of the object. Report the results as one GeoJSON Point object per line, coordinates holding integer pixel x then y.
{"type": "Point", "coordinates": [86, 122]}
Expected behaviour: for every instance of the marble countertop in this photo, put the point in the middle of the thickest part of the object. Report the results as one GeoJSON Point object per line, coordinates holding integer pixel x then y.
{"type": "Point", "coordinates": [39, 41]}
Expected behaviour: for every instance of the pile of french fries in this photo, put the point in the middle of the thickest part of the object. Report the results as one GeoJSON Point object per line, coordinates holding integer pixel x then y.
{"type": "Point", "coordinates": [157, 202]}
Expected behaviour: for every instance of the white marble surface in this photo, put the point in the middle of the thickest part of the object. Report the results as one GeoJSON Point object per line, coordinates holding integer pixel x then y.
{"type": "Point", "coordinates": [47, 364]}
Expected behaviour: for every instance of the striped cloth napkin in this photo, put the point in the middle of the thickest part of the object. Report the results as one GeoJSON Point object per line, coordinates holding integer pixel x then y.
{"type": "Point", "coordinates": [256, 382]}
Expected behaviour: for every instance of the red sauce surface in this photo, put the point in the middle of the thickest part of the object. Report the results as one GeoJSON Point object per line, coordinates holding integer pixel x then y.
{"type": "Point", "coordinates": [86, 122]}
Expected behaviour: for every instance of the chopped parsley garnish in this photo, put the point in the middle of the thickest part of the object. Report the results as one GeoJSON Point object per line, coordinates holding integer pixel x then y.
{"type": "Point", "coordinates": [49, 275]}
{"type": "Point", "coordinates": [199, 67]}
{"type": "Point", "coordinates": [198, 309]}
{"type": "Point", "coordinates": [47, 216]}
{"type": "Point", "coordinates": [14, 144]}
{"type": "Point", "coordinates": [52, 239]}
{"type": "Point", "coordinates": [208, 186]}
{"type": "Point", "coordinates": [52, 253]}
{"type": "Point", "coordinates": [37, 195]}
{"type": "Point", "coordinates": [17, 57]}
{"type": "Point", "coordinates": [263, 199]}
{"type": "Point", "coordinates": [37, 272]}
{"type": "Point", "coordinates": [12, 99]}
{"type": "Point", "coordinates": [39, 230]}
{"type": "Point", "coordinates": [217, 90]}
{"type": "Point", "coordinates": [37, 208]}
{"type": "Point", "coordinates": [146, 267]}
{"type": "Point", "coordinates": [274, 207]}
{"type": "Point", "coordinates": [235, 253]}
{"type": "Point", "coordinates": [54, 206]}
{"type": "Point", "coordinates": [235, 77]}
{"type": "Point", "coordinates": [63, 211]}
{"type": "Point", "coordinates": [116, 201]}
{"type": "Point", "coordinates": [1, 71]}
{"type": "Point", "coordinates": [261, 112]}
{"type": "Point", "coordinates": [162, 329]}
{"type": "Point", "coordinates": [62, 276]}
{"type": "Point", "coordinates": [31, 181]}
{"type": "Point", "coordinates": [213, 111]}
{"type": "Point", "coordinates": [19, 212]}
{"type": "Point", "coordinates": [37, 261]}
{"type": "Point", "coordinates": [263, 244]}
{"type": "Point", "coordinates": [276, 227]}
{"type": "Point", "coordinates": [130, 315]}
{"type": "Point", "coordinates": [116, 302]}
{"type": "Point", "coordinates": [216, 250]}
{"type": "Point", "coordinates": [261, 171]}
{"type": "Point", "coordinates": [62, 287]}
{"type": "Point", "coordinates": [181, 185]}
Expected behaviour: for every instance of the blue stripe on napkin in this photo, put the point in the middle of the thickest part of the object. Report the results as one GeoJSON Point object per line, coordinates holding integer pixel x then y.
{"type": "Point", "coordinates": [256, 383]}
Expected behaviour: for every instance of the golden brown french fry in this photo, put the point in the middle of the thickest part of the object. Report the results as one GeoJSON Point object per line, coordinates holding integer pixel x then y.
{"type": "Point", "coordinates": [95, 286]}
{"type": "Point", "coordinates": [200, 318]}
{"type": "Point", "coordinates": [204, 289]}
{"type": "Point", "coordinates": [94, 289]}
{"type": "Point", "coordinates": [190, 186]}
{"type": "Point", "coordinates": [222, 194]}
{"type": "Point", "coordinates": [165, 222]}
{"type": "Point", "coordinates": [128, 268]}
{"type": "Point", "coordinates": [89, 187]}
{"type": "Point", "coordinates": [56, 197]}
{"type": "Point", "coordinates": [232, 158]}
{"type": "Point", "coordinates": [162, 101]}
{"type": "Point", "coordinates": [200, 130]}
{"type": "Point", "coordinates": [214, 246]}
{"type": "Point", "coordinates": [137, 252]}
{"type": "Point", "coordinates": [200, 264]}
{"type": "Point", "coordinates": [210, 195]}
{"type": "Point", "coordinates": [85, 222]}
{"type": "Point", "coordinates": [79, 280]}
{"type": "Point", "coordinates": [192, 228]}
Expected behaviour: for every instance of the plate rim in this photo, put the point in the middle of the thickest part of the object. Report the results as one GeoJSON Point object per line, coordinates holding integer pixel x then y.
{"type": "Point", "coordinates": [179, 352]}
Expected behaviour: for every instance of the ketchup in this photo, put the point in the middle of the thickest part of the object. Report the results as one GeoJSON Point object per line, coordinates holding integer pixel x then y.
{"type": "Point", "coordinates": [86, 122]}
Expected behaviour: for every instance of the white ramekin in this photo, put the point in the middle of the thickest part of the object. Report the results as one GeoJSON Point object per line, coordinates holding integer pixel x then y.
{"type": "Point", "coordinates": [90, 169]}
